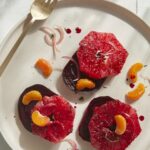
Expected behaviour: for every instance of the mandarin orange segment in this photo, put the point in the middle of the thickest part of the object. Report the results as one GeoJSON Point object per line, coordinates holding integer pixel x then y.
{"type": "Point", "coordinates": [134, 69]}
{"type": "Point", "coordinates": [31, 96]}
{"type": "Point", "coordinates": [84, 83]}
{"type": "Point", "coordinates": [137, 92]}
{"type": "Point", "coordinates": [120, 124]}
{"type": "Point", "coordinates": [44, 66]}
{"type": "Point", "coordinates": [39, 119]}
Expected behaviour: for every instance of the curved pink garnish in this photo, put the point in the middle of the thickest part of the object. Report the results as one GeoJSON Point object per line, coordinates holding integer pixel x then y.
{"type": "Point", "coordinates": [47, 40]}
{"type": "Point", "coordinates": [52, 34]}
{"type": "Point", "coordinates": [76, 64]}
{"type": "Point", "coordinates": [48, 31]}
{"type": "Point", "coordinates": [50, 37]}
{"type": "Point", "coordinates": [72, 144]}
{"type": "Point", "coordinates": [61, 33]}
{"type": "Point", "coordinates": [54, 44]}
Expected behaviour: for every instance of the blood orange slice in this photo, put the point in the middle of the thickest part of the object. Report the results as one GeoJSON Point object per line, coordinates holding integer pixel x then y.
{"type": "Point", "coordinates": [102, 126]}
{"type": "Point", "coordinates": [61, 115]}
{"type": "Point", "coordinates": [101, 55]}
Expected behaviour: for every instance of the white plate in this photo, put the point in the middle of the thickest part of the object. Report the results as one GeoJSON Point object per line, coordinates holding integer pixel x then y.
{"type": "Point", "coordinates": [89, 15]}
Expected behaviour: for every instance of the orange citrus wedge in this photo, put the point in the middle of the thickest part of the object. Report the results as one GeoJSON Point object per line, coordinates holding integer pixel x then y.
{"type": "Point", "coordinates": [31, 96]}
{"type": "Point", "coordinates": [134, 69]}
{"type": "Point", "coordinates": [137, 92]}
{"type": "Point", "coordinates": [120, 124]}
{"type": "Point", "coordinates": [39, 119]}
{"type": "Point", "coordinates": [85, 83]}
{"type": "Point", "coordinates": [44, 66]}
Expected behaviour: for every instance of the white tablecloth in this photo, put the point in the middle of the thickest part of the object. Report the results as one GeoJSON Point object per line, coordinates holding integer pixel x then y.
{"type": "Point", "coordinates": [11, 11]}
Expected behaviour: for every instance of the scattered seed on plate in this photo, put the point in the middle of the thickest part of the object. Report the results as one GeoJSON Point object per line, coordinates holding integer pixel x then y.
{"type": "Point", "coordinates": [81, 98]}
{"type": "Point", "coordinates": [141, 118]}
{"type": "Point", "coordinates": [132, 85]}
{"type": "Point", "coordinates": [78, 30]}
{"type": "Point", "coordinates": [68, 30]}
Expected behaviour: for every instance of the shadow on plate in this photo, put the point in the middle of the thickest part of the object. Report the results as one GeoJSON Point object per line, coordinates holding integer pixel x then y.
{"type": "Point", "coordinates": [84, 145]}
{"type": "Point", "coordinates": [3, 144]}
{"type": "Point", "coordinates": [113, 9]}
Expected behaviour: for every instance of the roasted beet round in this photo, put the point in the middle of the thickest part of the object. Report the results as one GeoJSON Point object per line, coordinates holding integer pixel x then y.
{"type": "Point", "coordinates": [98, 125]}
{"type": "Point", "coordinates": [70, 76]}
{"type": "Point", "coordinates": [25, 110]}
{"type": "Point", "coordinates": [59, 111]}
{"type": "Point", "coordinates": [83, 127]}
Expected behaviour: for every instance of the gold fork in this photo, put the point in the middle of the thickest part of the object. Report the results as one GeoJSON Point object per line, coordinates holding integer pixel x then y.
{"type": "Point", "coordinates": [40, 10]}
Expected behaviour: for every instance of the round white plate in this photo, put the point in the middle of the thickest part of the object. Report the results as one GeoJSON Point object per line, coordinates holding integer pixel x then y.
{"type": "Point", "coordinates": [89, 15]}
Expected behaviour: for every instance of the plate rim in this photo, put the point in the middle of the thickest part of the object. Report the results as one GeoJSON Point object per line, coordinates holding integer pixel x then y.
{"type": "Point", "coordinates": [20, 23]}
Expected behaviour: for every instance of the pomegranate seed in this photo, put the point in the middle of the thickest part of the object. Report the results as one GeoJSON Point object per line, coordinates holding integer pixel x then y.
{"type": "Point", "coordinates": [132, 85]}
{"type": "Point", "coordinates": [78, 30]}
{"type": "Point", "coordinates": [141, 118]}
{"type": "Point", "coordinates": [68, 30]}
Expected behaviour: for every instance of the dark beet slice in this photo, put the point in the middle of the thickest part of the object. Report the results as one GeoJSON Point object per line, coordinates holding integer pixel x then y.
{"type": "Point", "coordinates": [61, 114]}
{"type": "Point", "coordinates": [25, 111]}
{"type": "Point", "coordinates": [83, 127]}
{"type": "Point", "coordinates": [101, 55]}
{"type": "Point", "coordinates": [70, 75]}
{"type": "Point", "coordinates": [102, 126]}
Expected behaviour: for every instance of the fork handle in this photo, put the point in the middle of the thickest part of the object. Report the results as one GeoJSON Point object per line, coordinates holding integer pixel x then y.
{"type": "Point", "coordinates": [16, 45]}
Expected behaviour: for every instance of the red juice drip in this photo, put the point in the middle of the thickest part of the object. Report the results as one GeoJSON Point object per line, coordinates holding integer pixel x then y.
{"type": "Point", "coordinates": [68, 30]}
{"type": "Point", "coordinates": [141, 118]}
{"type": "Point", "coordinates": [132, 85]}
{"type": "Point", "coordinates": [78, 30]}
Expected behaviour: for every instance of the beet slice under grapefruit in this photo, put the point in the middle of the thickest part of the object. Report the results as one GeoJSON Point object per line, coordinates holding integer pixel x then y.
{"type": "Point", "coordinates": [70, 75]}
{"type": "Point", "coordinates": [25, 110]}
{"type": "Point", "coordinates": [83, 127]}
{"type": "Point", "coordinates": [100, 124]}
{"type": "Point", "coordinates": [59, 110]}
{"type": "Point", "coordinates": [101, 55]}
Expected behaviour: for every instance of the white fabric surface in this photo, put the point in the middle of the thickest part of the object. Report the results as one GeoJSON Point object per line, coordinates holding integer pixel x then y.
{"type": "Point", "coordinates": [11, 11]}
